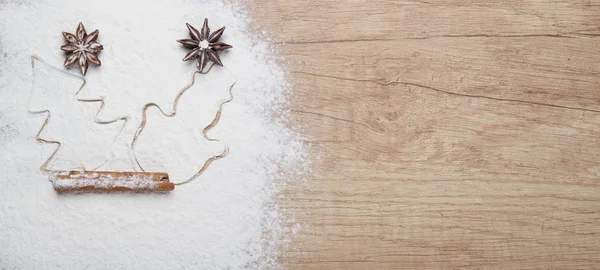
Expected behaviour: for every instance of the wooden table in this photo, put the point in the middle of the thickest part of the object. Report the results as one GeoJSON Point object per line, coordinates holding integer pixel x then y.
{"type": "Point", "coordinates": [445, 134]}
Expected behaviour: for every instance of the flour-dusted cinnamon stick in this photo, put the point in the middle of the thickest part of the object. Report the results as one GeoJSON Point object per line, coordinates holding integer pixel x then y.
{"type": "Point", "coordinates": [103, 181]}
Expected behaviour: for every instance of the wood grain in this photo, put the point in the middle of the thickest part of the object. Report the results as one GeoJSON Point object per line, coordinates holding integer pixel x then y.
{"type": "Point", "coordinates": [449, 134]}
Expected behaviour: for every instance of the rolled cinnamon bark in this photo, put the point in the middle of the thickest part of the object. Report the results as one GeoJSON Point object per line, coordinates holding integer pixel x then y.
{"type": "Point", "coordinates": [103, 181]}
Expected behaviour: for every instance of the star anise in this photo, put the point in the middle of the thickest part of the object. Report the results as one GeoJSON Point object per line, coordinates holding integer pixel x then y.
{"type": "Point", "coordinates": [204, 45]}
{"type": "Point", "coordinates": [82, 48]}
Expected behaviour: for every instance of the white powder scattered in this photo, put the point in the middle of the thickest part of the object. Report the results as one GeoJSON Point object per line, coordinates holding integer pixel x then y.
{"type": "Point", "coordinates": [226, 219]}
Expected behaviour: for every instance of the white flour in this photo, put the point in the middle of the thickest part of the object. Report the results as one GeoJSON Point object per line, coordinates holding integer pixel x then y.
{"type": "Point", "coordinates": [227, 218]}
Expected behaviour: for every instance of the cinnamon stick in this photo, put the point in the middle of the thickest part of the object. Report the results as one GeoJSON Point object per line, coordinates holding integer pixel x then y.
{"type": "Point", "coordinates": [104, 181]}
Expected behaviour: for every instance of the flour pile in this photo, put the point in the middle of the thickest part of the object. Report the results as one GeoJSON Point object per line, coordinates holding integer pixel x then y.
{"type": "Point", "coordinates": [226, 218]}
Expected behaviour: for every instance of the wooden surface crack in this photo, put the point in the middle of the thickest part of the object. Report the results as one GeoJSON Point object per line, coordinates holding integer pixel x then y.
{"type": "Point", "coordinates": [493, 36]}
{"type": "Point", "coordinates": [408, 84]}
{"type": "Point", "coordinates": [333, 41]}
{"type": "Point", "coordinates": [558, 35]}
{"type": "Point", "coordinates": [334, 118]}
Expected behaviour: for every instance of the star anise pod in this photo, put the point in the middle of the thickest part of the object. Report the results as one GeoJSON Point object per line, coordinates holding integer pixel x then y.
{"type": "Point", "coordinates": [82, 48]}
{"type": "Point", "coordinates": [204, 45]}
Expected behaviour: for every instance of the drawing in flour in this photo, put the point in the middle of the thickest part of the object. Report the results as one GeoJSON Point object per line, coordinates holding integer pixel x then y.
{"type": "Point", "coordinates": [77, 177]}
